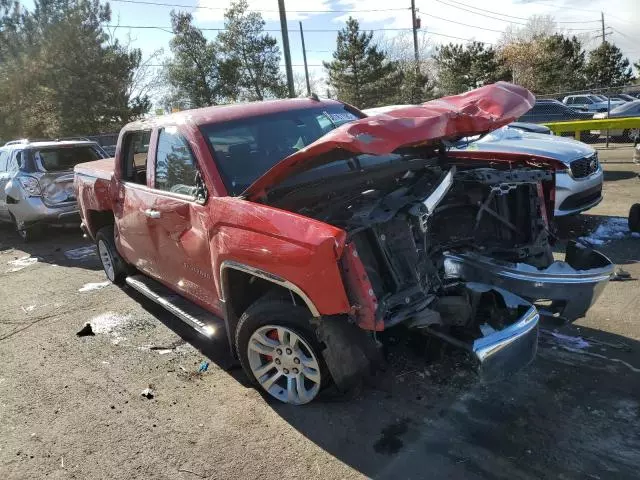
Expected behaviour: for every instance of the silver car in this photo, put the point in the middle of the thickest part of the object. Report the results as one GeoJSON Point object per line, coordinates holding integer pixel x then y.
{"type": "Point", "coordinates": [578, 187]}
{"type": "Point", "coordinates": [36, 183]}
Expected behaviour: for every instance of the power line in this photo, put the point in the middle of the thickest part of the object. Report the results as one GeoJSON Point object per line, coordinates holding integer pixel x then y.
{"type": "Point", "coordinates": [505, 15]}
{"type": "Point", "coordinates": [204, 7]}
{"type": "Point", "coordinates": [168, 30]}
{"type": "Point", "coordinates": [460, 23]}
{"type": "Point", "coordinates": [318, 30]}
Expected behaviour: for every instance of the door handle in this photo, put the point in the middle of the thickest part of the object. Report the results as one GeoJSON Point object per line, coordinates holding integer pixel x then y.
{"type": "Point", "coordinates": [152, 213]}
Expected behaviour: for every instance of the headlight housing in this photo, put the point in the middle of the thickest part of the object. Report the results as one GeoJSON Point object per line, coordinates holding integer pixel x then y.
{"type": "Point", "coordinates": [30, 185]}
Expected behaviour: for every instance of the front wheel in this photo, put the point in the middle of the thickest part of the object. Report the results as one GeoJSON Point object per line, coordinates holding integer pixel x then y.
{"type": "Point", "coordinates": [632, 134]}
{"type": "Point", "coordinates": [279, 351]}
{"type": "Point", "coordinates": [113, 264]}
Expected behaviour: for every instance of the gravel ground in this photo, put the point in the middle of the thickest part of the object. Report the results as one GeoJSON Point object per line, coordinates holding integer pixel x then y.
{"type": "Point", "coordinates": [71, 407]}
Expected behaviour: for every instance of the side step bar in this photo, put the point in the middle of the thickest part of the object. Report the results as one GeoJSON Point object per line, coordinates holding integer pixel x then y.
{"type": "Point", "coordinates": [199, 319]}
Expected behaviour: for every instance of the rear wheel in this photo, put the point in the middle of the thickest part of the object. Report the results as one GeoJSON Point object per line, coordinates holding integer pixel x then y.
{"type": "Point", "coordinates": [27, 234]}
{"type": "Point", "coordinates": [279, 351]}
{"type": "Point", "coordinates": [113, 264]}
{"type": "Point", "coordinates": [634, 218]}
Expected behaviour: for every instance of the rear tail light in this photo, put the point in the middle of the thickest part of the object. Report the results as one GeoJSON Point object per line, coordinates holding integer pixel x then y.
{"type": "Point", "coordinates": [30, 185]}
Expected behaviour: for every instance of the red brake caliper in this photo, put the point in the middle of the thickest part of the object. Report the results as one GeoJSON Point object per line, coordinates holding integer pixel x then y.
{"type": "Point", "coordinates": [273, 335]}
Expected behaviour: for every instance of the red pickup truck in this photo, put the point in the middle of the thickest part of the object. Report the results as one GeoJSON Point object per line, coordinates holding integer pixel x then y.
{"type": "Point", "coordinates": [296, 230]}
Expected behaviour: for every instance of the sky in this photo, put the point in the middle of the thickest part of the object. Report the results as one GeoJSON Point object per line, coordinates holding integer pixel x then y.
{"type": "Point", "coordinates": [476, 20]}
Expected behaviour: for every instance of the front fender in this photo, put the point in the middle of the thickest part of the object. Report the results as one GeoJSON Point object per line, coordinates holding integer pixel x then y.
{"type": "Point", "coordinates": [282, 246]}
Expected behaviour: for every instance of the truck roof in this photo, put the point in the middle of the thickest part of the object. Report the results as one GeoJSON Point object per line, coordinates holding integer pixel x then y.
{"type": "Point", "coordinates": [225, 113]}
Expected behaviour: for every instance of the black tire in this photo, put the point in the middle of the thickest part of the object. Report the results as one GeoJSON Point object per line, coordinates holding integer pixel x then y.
{"type": "Point", "coordinates": [106, 247]}
{"type": "Point", "coordinates": [27, 234]}
{"type": "Point", "coordinates": [271, 310]}
{"type": "Point", "coordinates": [634, 218]}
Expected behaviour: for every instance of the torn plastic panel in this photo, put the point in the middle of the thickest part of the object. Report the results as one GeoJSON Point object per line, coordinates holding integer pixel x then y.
{"type": "Point", "coordinates": [567, 289]}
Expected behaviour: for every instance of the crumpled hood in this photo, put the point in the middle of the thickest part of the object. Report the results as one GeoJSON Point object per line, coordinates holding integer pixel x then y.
{"type": "Point", "coordinates": [448, 118]}
{"type": "Point", "coordinates": [511, 140]}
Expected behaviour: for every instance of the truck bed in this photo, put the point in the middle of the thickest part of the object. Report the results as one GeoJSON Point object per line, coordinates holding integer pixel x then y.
{"type": "Point", "coordinates": [102, 169]}
{"type": "Point", "coordinates": [92, 184]}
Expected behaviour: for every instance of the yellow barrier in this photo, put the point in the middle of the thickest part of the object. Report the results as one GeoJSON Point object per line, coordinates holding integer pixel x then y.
{"type": "Point", "coordinates": [595, 124]}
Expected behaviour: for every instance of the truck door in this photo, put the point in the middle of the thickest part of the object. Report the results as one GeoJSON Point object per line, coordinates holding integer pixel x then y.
{"type": "Point", "coordinates": [178, 227]}
{"type": "Point", "coordinates": [4, 178]}
{"type": "Point", "coordinates": [132, 202]}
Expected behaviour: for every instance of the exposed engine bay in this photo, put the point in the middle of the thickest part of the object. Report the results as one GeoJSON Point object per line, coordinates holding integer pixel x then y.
{"type": "Point", "coordinates": [402, 224]}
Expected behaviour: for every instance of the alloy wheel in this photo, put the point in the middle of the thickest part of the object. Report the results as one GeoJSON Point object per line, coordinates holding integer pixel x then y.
{"type": "Point", "coordinates": [284, 364]}
{"type": "Point", "coordinates": [106, 259]}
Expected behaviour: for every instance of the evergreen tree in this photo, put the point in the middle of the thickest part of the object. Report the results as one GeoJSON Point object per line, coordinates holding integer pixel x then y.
{"type": "Point", "coordinates": [360, 72]}
{"type": "Point", "coordinates": [562, 66]}
{"type": "Point", "coordinates": [62, 74]}
{"type": "Point", "coordinates": [251, 53]}
{"type": "Point", "coordinates": [465, 67]}
{"type": "Point", "coordinates": [607, 67]}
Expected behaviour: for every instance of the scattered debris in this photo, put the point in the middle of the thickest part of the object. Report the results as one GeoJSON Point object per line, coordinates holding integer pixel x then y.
{"type": "Point", "coordinates": [621, 275]}
{"type": "Point", "coordinates": [82, 253]}
{"type": "Point", "coordinates": [88, 287]}
{"type": "Point", "coordinates": [85, 331]}
{"type": "Point", "coordinates": [28, 309]}
{"type": "Point", "coordinates": [613, 228]}
{"type": "Point", "coordinates": [204, 366]}
{"type": "Point", "coordinates": [147, 393]}
{"type": "Point", "coordinates": [110, 323]}
{"type": "Point", "coordinates": [163, 351]}
{"type": "Point", "coordinates": [21, 263]}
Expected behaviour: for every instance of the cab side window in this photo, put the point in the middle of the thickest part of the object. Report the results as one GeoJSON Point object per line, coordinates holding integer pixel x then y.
{"type": "Point", "coordinates": [4, 156]}
{"type": "Point", "coordinates": [134, 156]}
{"type": "Point", "coordinates": [14, 161]}
{"type": "Point", "coordinates": [175, 165]}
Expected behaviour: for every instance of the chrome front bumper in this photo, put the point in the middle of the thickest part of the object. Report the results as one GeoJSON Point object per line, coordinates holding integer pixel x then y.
{"type": "Point", "coordinates": [505, 351]}
{"type": "Point", "coordinates": [564, 289]}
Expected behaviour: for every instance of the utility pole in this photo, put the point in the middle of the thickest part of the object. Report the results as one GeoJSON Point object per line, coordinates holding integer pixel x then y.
{"type": "Point", "coordinates": [285, 47]}
{"type": "Point", "coordinates": [304, 56]}
{"type": "Point", "coordinates": [603, 34]}
{"type": "Point", "coordinates": [414, 23]}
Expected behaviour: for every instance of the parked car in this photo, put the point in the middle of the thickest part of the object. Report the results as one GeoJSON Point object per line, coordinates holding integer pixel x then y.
{"type": "Point", "coordinates": [293, 230]}
{"type": "Point", "coordinates": [545, 111]}
{"type": "Point", "coordinates": [590, 103]}
{"type": "Point", "coordinates": [36, 183]}
{"type": "Point", "coordinates": [629, 109]}
{"type": "Point", "coordinates": [623, 97]}
{"type": "Point", "coordinates": [531, 127]}
{"type": "Point", "coordinates": [578, 185]}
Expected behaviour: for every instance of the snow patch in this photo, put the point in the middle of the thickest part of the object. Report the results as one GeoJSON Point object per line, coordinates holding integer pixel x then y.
{"type": "Point", "coordinates": [21, 263]}
{"type": "Point", "coordinates": [570, 341]}
{"type": "Point", "coordinates": [613, 228]}
{"type": "Point", "coordinates": [110, 323]}
{"type": "Point", "coordinates": [88, 287]}
{"type": "Point", "coordinates": [82, 253]}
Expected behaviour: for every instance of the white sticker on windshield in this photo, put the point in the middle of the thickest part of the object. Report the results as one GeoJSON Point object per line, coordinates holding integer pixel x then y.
{"type": "Point", "coordinates": [341, 117]}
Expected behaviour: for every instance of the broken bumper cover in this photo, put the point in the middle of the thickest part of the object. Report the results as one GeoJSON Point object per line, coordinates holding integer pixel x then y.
{"type": "Point", "coordinates": [564, 289]}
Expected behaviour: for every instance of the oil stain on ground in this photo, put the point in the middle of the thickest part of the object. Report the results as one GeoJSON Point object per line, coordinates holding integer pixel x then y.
{"type": "Point", "coordinates": [390, 441]}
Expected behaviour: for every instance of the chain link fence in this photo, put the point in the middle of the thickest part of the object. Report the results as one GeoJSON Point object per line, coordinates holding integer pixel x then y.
{"type": "Point", "coordinates": [587, 105]}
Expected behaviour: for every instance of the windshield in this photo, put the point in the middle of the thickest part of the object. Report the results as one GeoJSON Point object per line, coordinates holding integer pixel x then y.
{"type": "Point", "coordinates": [599, 98]}
{"type": "Point", "coordinates": [55, 159]}
{"type": "Point", "coordinates": [627, 107]}
{"type": "Point", "coordinates": [245, 149]}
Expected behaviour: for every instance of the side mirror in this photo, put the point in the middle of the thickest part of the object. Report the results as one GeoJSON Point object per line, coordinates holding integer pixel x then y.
{"type": "Point", "coordinates": [201, 192]}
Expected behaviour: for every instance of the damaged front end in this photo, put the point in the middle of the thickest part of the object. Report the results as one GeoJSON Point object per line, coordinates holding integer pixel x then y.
{"type": "Point", "coordinates": [454, 249]}
{"type": "Point", "coordinates": [452, 244]}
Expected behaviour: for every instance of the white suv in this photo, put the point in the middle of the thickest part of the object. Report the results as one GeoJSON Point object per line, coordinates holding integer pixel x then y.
{"type": "Point", "coordinates": [590, 103]}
